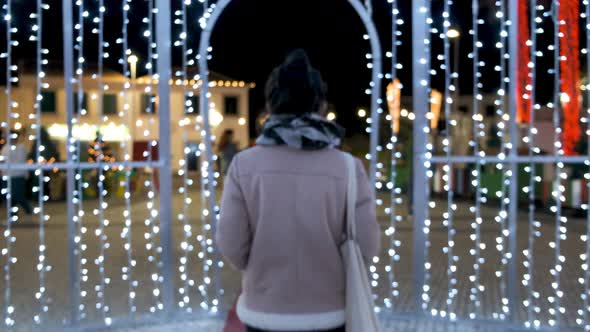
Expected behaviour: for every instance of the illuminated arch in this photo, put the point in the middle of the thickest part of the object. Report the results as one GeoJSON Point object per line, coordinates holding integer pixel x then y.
{"type": "Point", "coordinates": [377, 75]}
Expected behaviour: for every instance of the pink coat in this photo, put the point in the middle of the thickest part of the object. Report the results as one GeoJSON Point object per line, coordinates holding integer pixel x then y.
{"type": "Point", "coordinates": [282, 222]}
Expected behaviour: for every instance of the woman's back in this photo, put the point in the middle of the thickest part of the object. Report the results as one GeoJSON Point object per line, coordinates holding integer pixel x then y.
{"type": "Point", "coordinates": [282, 223]}
{"type": "Point", "coordinates": [283, 210]}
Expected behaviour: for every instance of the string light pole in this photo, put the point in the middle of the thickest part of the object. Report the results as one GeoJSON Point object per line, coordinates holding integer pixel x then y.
{"type": "Point", "coordinates": [11, 217]}
{"type": "Point", "coordinates": [420, 37]}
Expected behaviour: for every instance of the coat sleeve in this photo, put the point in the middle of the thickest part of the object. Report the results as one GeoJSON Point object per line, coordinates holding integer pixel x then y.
{"type": "Point", "coordinates": [234, 236]}
{"type": "Point", "coordinates": [368, 230]}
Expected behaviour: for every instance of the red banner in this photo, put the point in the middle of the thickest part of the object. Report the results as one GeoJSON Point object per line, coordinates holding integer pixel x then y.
{"type": "Point", "coordinates": [523, 106]}
{"type": "Point", "coordinates": [569, 11]}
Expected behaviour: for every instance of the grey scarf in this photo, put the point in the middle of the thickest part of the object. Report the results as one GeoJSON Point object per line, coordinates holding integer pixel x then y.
{"type": "Point", "coordinates": [307, 132]}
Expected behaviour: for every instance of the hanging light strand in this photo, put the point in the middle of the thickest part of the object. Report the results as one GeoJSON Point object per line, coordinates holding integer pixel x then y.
{"type": "Point", "coordinates": [127, 232]}
{"type": "Point", "coordinates": [102, 205]}
{"type": "Point", "coordinates": [528, 277]}
{"type": "Point", "coordinates": [186, 246]}
{"type": "Point", "coordinates": [501, 111]}
{"type": "Point", "coordinates": [81, 184]}
{"type": "Point", "coordinates": [42, 268]}
{"type": "Point", "coordinates": [426, 82]}
{"type": "Point", "coordinates": [395, 199]}
{"type": "Point", "coordinates": [584, 312]}
{"type": "Point", "coordinates": [448, 216]}
{"type": "Point", "coordinates": [9, 239]}
{"type": "Point", "coordinates": [152, 220]}
{"type": "Point", "coordinates": [477, 287]}
{"type": "Point", "coordinates": [203, 254]}
{"type": "Point", "coordinates": [557, 193]}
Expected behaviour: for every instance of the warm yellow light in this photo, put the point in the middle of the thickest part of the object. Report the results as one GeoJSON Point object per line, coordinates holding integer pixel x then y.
{"type": "Point", "coordinates": [242, 121]}
{"type": "Point", "coordinates": [331, 116]}
{"type": "Point", "coordinates": [411, 116]}
{"type": "Point", "coordinates": [362, 113]}
{"type": "Point", "coordinates": [133, 59]}
{"type": "Point", "coordinates": [87, 132]}
{"type": "Point", "coordinates": [215, 118]}
{"type": "Point", "coordinates": [453, 33]}
{"type": "Point", "coordinates": [404, 112]}
{"type": "Point", "coordinates": [18, 126]}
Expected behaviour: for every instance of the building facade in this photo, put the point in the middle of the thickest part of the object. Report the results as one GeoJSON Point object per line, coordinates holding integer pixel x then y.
{"type": "Point", "coordinates": [131, 131]}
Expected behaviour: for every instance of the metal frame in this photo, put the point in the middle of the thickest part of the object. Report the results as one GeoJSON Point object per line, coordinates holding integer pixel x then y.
{"type": "Point", "coordinates": [422, 159]}
{"type": "Point", "coordinates": [420, 10]}
{"type": "Point", "coordinates": [163, 38]}
{"type": "Point", "coordinates": [163, 35]}
{"type": "Point", "coordinates": [420, 94]}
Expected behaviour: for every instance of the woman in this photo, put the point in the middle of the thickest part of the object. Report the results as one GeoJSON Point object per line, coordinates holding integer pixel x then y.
{"type": "Point", "coordinates": [283, 211]}
{"type": "Point", "coordinates": [228, 149]}
{"type": "Point", "coordinates": [16, 153]}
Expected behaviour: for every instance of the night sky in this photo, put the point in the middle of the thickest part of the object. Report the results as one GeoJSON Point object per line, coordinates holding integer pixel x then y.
{"type": "Point", "coordinates": [253, 36]}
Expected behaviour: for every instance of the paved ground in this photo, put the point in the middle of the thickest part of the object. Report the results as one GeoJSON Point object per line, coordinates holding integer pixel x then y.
{"type": "Point", "coordinates": [24, 279]}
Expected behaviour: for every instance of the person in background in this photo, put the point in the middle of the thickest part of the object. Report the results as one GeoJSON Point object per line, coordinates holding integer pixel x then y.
{"type": "Point", "coordinates": [16, 153]}
{"type": "Point", "coordinates": [227, 149]}
{"type": "Point", "coordinates": [282, 216]}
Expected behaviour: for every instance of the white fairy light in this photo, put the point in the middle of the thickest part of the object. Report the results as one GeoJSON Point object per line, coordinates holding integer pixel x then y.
{"type": "Point", "coordinates": [9, 238]}
{"type": "Point", "coordinates": [395, 198]}
{"type": "Point", "coordinates": [186, 246]}
{"type": "Point", "coordinates": [152, 220]}
{"type": "Point", "coordinates": [81, 184]}
{"type": "Point", "coordinates": [477, 288]}
{"type": "Point", "coordinates": [425, 292]}
{"type": "Point", "coordinates": [126, 233]}
{"type": "Point", "coordinates": [556, 309]}
{"type": "Point", "coordinates": [530, 303]}
{"type": "Point", "coordinates": [42, 266]}
{"type": "Point", "coordinates": [100, 233]}
{"type": "Point", "coordinates": [585, 296]}
{"type": "Point", "coordinates": [448, 217]}
{"type": "Point", "coordinates": [501, 111]}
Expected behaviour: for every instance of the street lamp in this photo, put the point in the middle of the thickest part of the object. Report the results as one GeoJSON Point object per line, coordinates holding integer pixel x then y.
{"type": "Point", "coordinates": [133, 59]}
{"type": "Point", "coordinates": [453, 33]}
{"type": "Point", "coordinates": [331, 116]}
{"type": "Point", "coordinates": [454, 36]}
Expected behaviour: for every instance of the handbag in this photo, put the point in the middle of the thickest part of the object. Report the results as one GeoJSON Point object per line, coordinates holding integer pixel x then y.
{"type": "Point", "coordinates": [233, 322]}
{"type": "Point", "coordinates": [360, 313]}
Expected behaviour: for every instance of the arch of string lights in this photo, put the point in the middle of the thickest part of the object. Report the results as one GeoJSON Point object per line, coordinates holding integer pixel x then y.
{"type": "Point", "coordinates": [526, 293]}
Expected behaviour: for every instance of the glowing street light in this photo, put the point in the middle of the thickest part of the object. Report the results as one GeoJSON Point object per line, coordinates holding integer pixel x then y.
{"type": "Point", "coordinates": [331, 116]}
{"type": "Point", "coordinates": [133, 60]}
{"type": "Point", "coordinates": [453, 33]}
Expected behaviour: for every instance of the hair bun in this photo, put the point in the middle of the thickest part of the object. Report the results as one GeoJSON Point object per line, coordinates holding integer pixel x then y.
{"type": "Point", "coordinates": [295, 71]}
{"type": "Point", "coordinates": [292, 87]}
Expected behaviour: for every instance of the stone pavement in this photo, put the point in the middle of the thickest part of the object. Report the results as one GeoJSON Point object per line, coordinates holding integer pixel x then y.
{"type": "Point", "coordinates": [25, 280]}
{"type": "Point", "coordinates": [402, 326]}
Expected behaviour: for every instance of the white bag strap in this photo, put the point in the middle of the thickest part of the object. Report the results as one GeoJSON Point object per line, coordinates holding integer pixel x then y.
{"type": "Point", "coordinates": [351, 198]}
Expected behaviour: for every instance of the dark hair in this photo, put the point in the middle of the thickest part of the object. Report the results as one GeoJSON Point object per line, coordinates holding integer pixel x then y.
{"type": "Point", "coordinates": [295, 87]}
